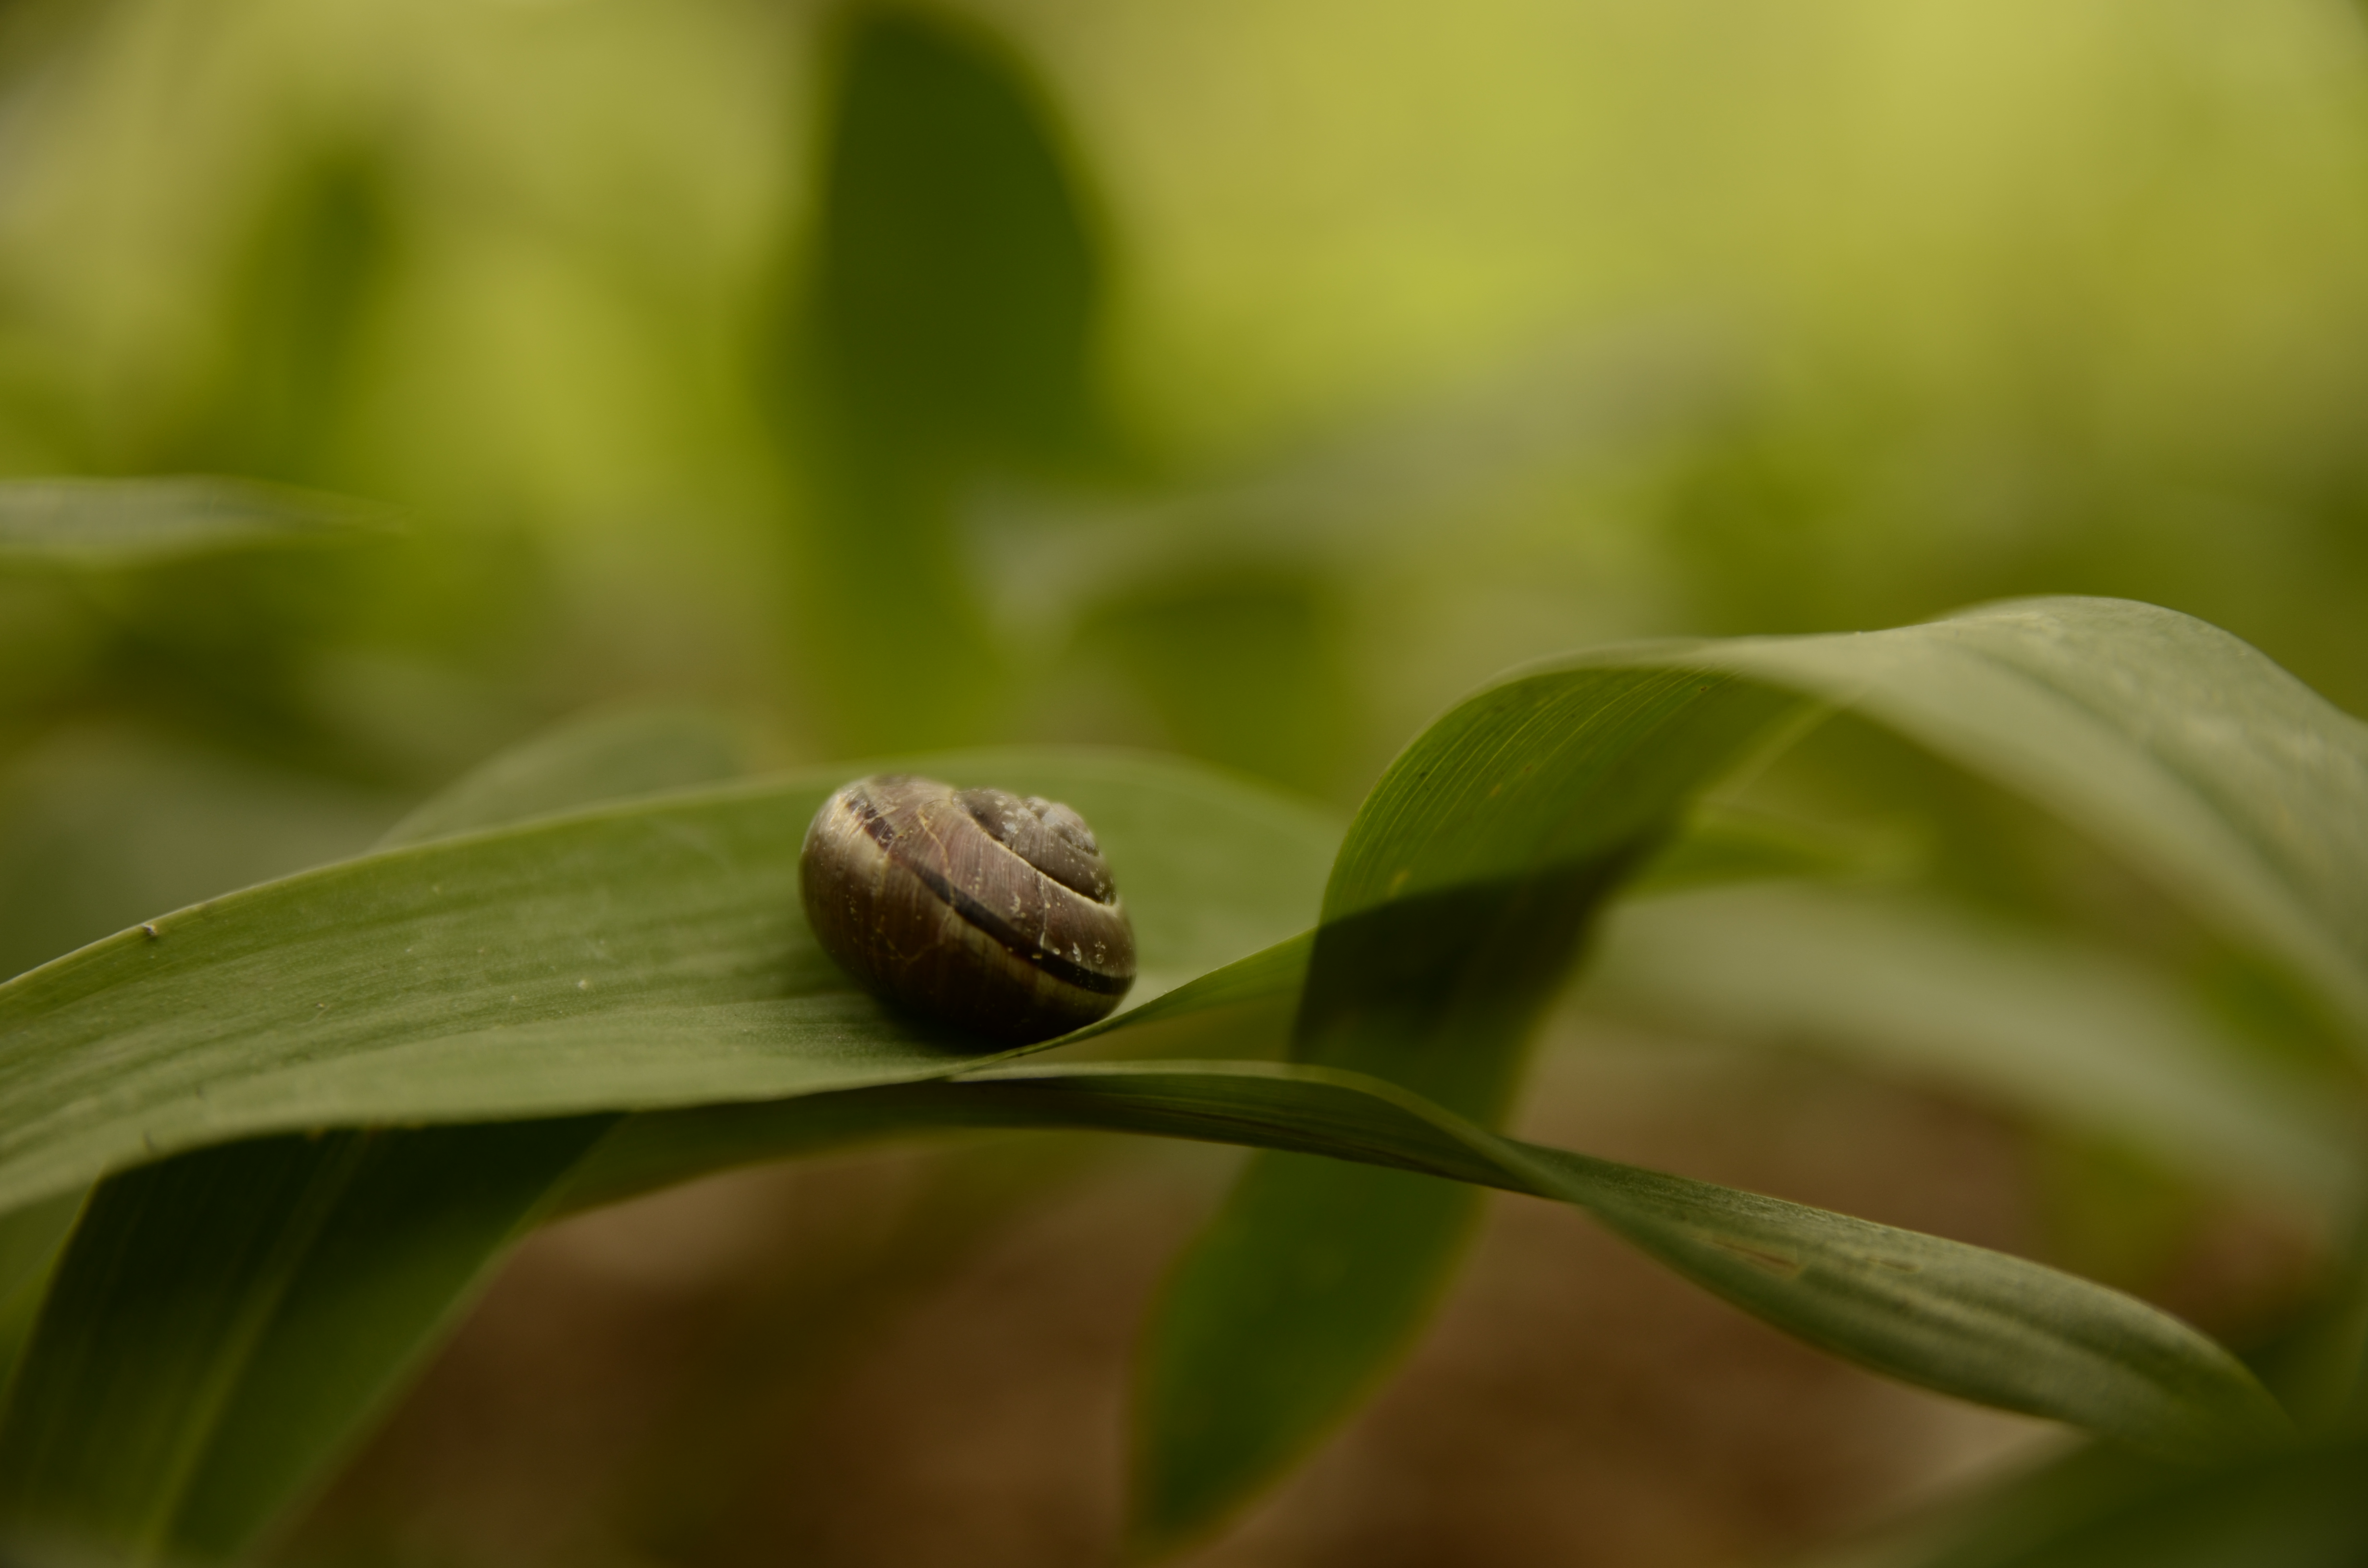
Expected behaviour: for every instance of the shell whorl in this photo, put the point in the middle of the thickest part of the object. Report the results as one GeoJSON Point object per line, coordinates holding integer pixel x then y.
{"type": "Point", "coordinates": [986, 910]}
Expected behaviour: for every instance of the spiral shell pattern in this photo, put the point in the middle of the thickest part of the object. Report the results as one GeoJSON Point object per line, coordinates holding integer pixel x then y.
{"type": "Point", "coordinates": [989, 911]}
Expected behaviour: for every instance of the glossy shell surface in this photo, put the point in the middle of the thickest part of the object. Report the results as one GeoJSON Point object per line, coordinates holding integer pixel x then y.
{"type": "Point", "coordinates": [989, 911]}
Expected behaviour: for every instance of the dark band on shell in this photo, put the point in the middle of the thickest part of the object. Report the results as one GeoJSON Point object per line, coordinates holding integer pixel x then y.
{"type": "Point", "coordinates": [982, 909]}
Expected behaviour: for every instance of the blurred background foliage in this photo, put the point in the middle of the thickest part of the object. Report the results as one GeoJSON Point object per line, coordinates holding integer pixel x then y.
{"type": "Point", "coordinates": [1247, 378]}
{"type": "Point", "coordinates": [1244, 380]}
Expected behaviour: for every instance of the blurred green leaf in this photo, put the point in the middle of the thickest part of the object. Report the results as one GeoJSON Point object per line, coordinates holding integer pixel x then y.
{"type": "Point", "coordinates": [102, 823]}
{"type": "Point", "coordinates": [1723, 843]}
{"type": "Point", "coordinates": [2100, 1507]}
{"type": "Point", "coordinates": [2319, 1365]}
{"type": "Point", "coordinates": [219, 1323]}
{"type": "Point", "coordinates": [945, 319]}
{"type": "Point", "coordinates": [603, 756]}
{"type": "Point", "coordinates": [121, 523]}
{"type": "Point", "coordinates": [297, 323]}
{"type": "Point", "coordinates": [2039, 1023]}
{"type": "Point", "coordinates": [1241, 668]}
{"type": "Point", "coordinates": [2234, 787]}
{"type": "Point", "coordinates": [956, 274]}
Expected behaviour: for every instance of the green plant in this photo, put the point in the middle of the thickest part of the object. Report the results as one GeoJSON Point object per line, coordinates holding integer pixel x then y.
{"type": "Point", "coordinates": [312, 1116]}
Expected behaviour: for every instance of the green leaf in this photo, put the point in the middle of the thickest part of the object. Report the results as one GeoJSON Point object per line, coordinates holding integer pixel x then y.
{"type": "Point", "coordinates": [1453, 917]}
{"type": "Point", "coordinates": [658, 945]}
{"type": "Point", "coordinates": [333, 1266]}
{"type": "Point", "coordinates": [142, 522]}
{"type": "Point", "coordinates": [1456, 907]}
{"type": "Point", "coordinates": [945, 303]}
{"type": "Point", "coordinates": [2237, 788]}
{"type": "Point", "coordinates": [333, 1263]}
{"type": "Point", "coordinates": [347, 1252]}
{"type": "Point", "coordinates": [30, 1240]}
{"type": "Point", "coordinates": [230, 1319]}
{"type": "Point", "coordinates": [218, 1317]}
{"type": "Point", "coordinates": [1965, 1321]}
{"type": "Point", "coordinates": [2206, 767]}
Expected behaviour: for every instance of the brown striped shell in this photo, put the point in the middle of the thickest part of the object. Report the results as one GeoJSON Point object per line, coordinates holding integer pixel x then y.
{"type": "Point", "coordinates": [976, 908]}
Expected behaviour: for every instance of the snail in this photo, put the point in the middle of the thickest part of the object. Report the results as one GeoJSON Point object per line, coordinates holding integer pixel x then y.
{"type": "Point", "coordinates": [975, 907]}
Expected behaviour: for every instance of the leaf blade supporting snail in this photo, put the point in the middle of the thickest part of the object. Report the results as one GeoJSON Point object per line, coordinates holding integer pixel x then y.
{"type": "Point", "coordinates": [979, 908]}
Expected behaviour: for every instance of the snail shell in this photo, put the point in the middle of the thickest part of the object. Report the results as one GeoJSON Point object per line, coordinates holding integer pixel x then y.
{"type": "Point", "coordinates": [976, 908]}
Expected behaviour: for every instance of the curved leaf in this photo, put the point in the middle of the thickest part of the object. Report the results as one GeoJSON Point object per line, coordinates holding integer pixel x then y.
{"type": "Point", "coordinates": [236, 1326]}
{"type": "Point", "coordinates": [150, 1420]}
{"type": "Point", "coordinates": [2234, 786]}
{"type": "Point", "coordinates": [221, 1321]}
{"type": "Point", "coordinates": [227, 1321]}
{"type": "Point", "coordinates": [1940, 1313]}
{"type": "Point", "coordinates": [2242, 791]}
{"type": "Point", "coordinates": [1449, 919]}
{"type": "Point", "coordinates": [657, 946]}
{"type": "Point", "coordinates": [331, 1264]}
{"type": "Point", "coordinates": [1453, 916]}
